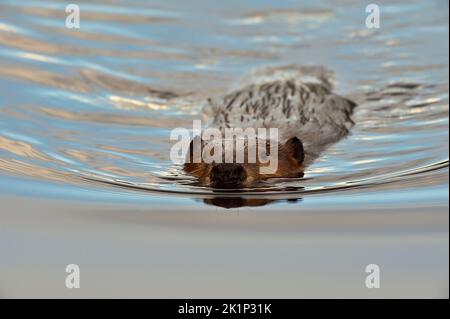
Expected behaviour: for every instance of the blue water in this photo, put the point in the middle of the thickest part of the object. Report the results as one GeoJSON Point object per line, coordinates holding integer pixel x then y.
{"type": "Point", "coordinates": [86, 113]}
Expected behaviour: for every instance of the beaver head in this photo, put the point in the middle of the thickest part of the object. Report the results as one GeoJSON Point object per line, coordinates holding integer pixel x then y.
{"type": "Point", "coordinates": [234, 174]}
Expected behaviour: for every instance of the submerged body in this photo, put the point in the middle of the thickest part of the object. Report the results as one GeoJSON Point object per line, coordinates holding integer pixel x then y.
{"type": "Point", "coordinates": [308, 115]}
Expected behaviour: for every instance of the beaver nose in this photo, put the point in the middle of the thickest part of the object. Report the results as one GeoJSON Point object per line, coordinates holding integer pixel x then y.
{"type": "Point", "coordinates": [228, 173]}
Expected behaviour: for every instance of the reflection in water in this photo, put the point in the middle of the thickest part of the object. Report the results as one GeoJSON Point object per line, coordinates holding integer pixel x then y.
{"type": "Point", "coordinates": [94, 107]}
{"type": "Point", "coordinates": [235, 202]}
{"type": "Point", "coordinates": [239, 198]}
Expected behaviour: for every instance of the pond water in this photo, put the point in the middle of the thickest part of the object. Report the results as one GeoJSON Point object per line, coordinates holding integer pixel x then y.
{"type": "Point", "coordinates": [87, 113]}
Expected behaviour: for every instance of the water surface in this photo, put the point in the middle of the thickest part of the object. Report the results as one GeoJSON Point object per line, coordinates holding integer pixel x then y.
{"type": "Point", "coordinates": [85, 175]}
{"type": "Point", "coordinates": [87, 113]}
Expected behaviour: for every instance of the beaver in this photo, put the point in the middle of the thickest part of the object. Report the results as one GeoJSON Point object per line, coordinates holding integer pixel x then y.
{"type": "Point", "coordinates": [298, 101]}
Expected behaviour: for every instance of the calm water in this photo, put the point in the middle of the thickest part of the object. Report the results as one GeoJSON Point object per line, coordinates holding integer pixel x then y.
{"type": "Point", "coordinates": [87, 113]}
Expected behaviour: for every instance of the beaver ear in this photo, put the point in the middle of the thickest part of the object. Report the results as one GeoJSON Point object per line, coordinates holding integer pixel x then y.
{"type": "Point", "coordinates": [294, 147]}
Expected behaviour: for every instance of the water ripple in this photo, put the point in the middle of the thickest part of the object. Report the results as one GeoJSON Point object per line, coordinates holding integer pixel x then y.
{"type": "Point", "coordinates": [94, 107]}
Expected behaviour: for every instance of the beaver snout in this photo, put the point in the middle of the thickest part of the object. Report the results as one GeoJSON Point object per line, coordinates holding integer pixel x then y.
{"type": "Point", "coordinates": [228, 174]}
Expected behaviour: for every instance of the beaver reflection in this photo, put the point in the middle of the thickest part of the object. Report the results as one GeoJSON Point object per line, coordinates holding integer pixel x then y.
{"type": "Point", "coordinates": [236, 202]}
